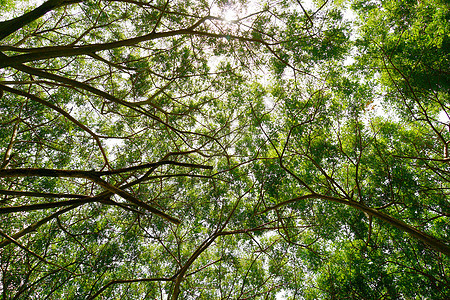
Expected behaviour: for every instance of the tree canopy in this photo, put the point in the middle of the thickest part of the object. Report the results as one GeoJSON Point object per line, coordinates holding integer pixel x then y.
{"type": "Point", "coordinates": [224, 149]}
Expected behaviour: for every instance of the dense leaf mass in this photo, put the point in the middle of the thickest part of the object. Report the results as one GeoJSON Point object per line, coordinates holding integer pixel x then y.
{"type": "Point", "coordinates": [224, 149]}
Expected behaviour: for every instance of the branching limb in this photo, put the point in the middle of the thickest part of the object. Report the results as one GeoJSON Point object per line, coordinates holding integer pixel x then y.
{"type": "Point", "coordinates": [33, 253]}
{"type": "Point", "coordinates": [134, 200]}
{"type": "Point", "coordinates": [424, 237]}
{"type": "Point", "coordinates": [62, 112]}
{"type": "Point", "coordinates": [35, 226]}
{"type": "Point", "coordinates": [10, 26]}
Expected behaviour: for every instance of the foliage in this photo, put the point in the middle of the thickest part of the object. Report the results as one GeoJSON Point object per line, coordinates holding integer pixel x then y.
{"type": "Point", "coordinates": [161, 150]}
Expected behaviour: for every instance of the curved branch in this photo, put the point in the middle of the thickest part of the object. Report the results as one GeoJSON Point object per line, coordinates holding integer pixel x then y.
{"type": "Point", "coordinates": [36, 225]}
{"type": "Point", "coordinates": [190, 261]}
{"type": "Point", "coordinates": [32, 253]}
{"type": "Point", "coordinates": [67, 51]}
{"type": "Point", "coordinates": [134, 200]}
{"type": "Point", "coordinates": [62, 112]}
{"type": "Point", "coordinates": [119, 281]}
{"type": "Point", "coordinates": [424, 237]}
{"type": "Point", "coordinates": [91, 175]}
{"type": "Point", "coordinates": [73, 83]}
{"type": "Point", "coordinates": [10, 26]}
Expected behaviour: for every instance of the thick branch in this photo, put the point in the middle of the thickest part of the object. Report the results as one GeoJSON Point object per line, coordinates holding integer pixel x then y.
{"type": "Point", "coordinates": [10, 26]}
{"type": "Point", "coordinates": [67, 51]}
{"type": "Point", "coordinates": [39, 206]}
{"type": "Point", "coordinates": [39, 194]}
{"type": "Point", "coordinates": [91, 175]}
{"type": "Point", "coordinates": [424, 237]}
{"type": "Point", "coordinates": [152, 165]}
{"type": "Point", "coordinates": [194, 256]}
{"type": "Point", "coordinates": [104, 196]}
{"type": "Point", "coordinates": [134, 200]}
{"type": "Point", "coordinates": [24, 172]}
{"type": "Point", "coordinates": [46, 173]}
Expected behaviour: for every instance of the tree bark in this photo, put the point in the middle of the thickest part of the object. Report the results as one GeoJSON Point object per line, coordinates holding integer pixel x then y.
{"type": "Point", "coordinates": [10, 26]}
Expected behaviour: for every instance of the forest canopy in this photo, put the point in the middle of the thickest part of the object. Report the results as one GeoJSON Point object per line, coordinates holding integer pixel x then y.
{"type": "Point", "coordinates": [202, 149]}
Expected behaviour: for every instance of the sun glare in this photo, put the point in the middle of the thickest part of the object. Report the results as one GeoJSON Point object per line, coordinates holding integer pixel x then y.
{"type": "Point", "coordinates": [229, 15]}
{"type": "Point", "coordinates": [228, 12]}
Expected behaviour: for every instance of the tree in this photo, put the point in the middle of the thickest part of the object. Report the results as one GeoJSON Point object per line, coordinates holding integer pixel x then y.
{"type": "Point", "coordinates": [163, 150]}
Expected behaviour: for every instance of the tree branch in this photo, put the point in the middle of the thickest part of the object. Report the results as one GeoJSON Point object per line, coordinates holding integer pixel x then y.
{"type": "Point", "coordinates": [62, 112]}
{"type": "Point", "coordinates": [10, 26]}
{"type": "Point", "coordinates": [36, 225]}
{"type": "Point", "coordinates": [134, 200]}
{"type": "Point", "coordinates": [31, 252]}
{"type": "Point", "coordinates": [119, 281]}
{"type": "Point", "coordinates": [38, 194]}
{"type": "Point", "coordinates": [424, 237]}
